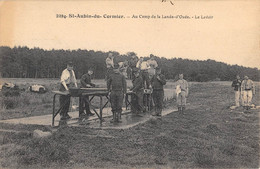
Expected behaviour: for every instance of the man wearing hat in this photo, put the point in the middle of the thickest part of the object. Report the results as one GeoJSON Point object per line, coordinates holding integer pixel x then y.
{"type": "Point", "coordinates": [85, 82]}
{"type": "Point", "coordinates": [158, 81]}
{"type": "Point", "coordinates": [116, 86]}
{"type": "Point", "coordinates": [138, 93]}
{"type": "Point", "coordinates": [248, 90]}
{"type": "Point", "coordinates": [67, 80]}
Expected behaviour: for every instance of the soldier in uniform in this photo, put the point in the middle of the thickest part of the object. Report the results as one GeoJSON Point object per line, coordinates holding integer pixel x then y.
{"type": "Point", "coordinates": [67, 80]}
{"type": "Point", "coordinates": [184, 90]}
{"type": "Point", "coordinates": [158, 81]}
{"type": "Point", "coordinates": [85, 82]}
{"type": "Point", "coordinates": [138, 93]}
{"type": "Point", "coordinates": [237, 88]}
{"type": "Point", "coordinates": [116, 86]}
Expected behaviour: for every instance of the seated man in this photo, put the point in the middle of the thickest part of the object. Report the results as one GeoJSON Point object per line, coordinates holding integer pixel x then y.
{"type": "Point", "coordinates": [116, 86]}
{"type": "Point", "coordinates": [85, 82]}
{"type": "Point", "coordinates": [138, 93]}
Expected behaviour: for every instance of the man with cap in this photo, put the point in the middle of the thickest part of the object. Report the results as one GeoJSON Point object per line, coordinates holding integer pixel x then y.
{"type": "Point", "coordinates": [109, 64]}
{"type": "Point", "coordinates": [236, 84]}
{"type": "Point", "coordinates": [116, 86]}
{"type": "Point", "coordinates": [248, 90]}
{"type": "Point", "coordinates": [85, 82]}
{"type": "Point", "coordinates": [143, 66]}
{"type": "Point", "coordinates": [158, 81]}
{"type": "Point", "coordinates": [138, 93]}
{"type": "Point", "coordinates": [184, 90]}
{"type": "Point", "coordinates": [67, 80]}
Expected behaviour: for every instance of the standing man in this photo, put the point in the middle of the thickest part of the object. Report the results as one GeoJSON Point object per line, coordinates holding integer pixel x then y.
{"type": "Point", "coordinates": [143, 66]}
{"type": "Point", "coordinates": [138, 93]}
{"type": "Point", "coordinates": [116, 86]}
{"type": "Point", "coordinates": [158, 81]}
{"type": "Point", "coordinates": [153, 65]}
{"type": "Point", "coordinates": [109, 64]}
{"type": "Point", "coordinates": [248, 91]}
{"type": "Point", "coordinates": [85, 82]}
{"type": "Point", "coordinates": [184, 91]}
{"type": "Point", "coordinates": [67, 80]}
{"type": "Point", "coordinates": [237, 88]}
{"type": "Point", "coordinates": [132, 63]}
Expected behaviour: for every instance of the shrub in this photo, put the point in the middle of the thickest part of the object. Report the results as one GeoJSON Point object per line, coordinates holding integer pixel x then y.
{"type": "Point", "coordinates": [9, 102]}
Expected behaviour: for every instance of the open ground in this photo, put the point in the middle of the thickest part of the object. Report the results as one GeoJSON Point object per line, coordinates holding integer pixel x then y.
{"type": "Point", "coordinates": [208, 134]}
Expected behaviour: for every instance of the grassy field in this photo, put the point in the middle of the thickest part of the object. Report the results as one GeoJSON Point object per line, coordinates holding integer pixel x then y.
{"type": "Point", "coordinates": [207, 135]}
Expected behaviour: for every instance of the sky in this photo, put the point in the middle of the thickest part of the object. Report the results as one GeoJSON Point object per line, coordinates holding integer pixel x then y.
{"type": "Point", "coordinates": [231, 36]}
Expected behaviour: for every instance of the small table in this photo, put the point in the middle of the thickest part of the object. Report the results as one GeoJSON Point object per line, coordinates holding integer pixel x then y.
{"type": "Point", "coordinates": [92, 93]}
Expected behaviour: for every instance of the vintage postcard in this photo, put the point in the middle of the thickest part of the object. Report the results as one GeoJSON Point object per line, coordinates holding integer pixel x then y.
{"type": "Point", "coordinates": [129, 84]}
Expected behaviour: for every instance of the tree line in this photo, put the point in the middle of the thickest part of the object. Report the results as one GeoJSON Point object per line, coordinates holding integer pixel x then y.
{"type": "Point", "coordinates": [23, 62]}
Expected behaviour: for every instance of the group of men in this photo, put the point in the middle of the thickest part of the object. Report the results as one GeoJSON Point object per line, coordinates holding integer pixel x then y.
{"type": "Point", "coordinates": [244, 91]}
{"type": "Point", "coordinates": [145, 75]}
{"type": "Point", "coordinates": [68, 80]}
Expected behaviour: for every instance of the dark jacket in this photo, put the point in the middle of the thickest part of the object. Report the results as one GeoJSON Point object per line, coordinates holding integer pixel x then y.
{"type": "Point", "coordinates": [137, 84]}
{"type": "Point", "coordinates": [132, 62]}
{"type": "Point", "coordinates": [116, 82]}
{"type": "Point", "coordinates": [158, 84]}
{"type": "Point", "coordinates": [237, 85]}
{"type": "Point", "coordinates": [86, 80]}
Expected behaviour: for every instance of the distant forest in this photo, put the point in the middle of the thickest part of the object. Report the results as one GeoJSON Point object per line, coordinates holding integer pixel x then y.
{"type": "Point", "coordinates": [23, 62]}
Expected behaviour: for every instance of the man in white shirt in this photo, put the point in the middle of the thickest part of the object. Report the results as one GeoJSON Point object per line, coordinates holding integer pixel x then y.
{"type": "Point", "coordinates": [182, 90]}
{"type": "Point", "coordinates": [143, 66]}
{"type": "Point", "coordinates": [67, 80]}
{"type": "Point", "coordinates": [153, 65]}
{"type": "Point", "coordinates": [248, 90]}
{"type": "Point", "coordinates": [109, 64]}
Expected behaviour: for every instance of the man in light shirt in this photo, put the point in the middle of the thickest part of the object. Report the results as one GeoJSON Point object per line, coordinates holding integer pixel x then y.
{"type": "Point", "coordinates": [67, 80]}
{"type": "Point", "coordinates": [248, 90]}
{"type": "Point", "coordinates": [153, 65]}
{"type": "Point", "coordinates": [109, 64]}
{"type": "Point", "coordinates": [182, 86]}
{"type": "Point", "coordinates": [143, 66]}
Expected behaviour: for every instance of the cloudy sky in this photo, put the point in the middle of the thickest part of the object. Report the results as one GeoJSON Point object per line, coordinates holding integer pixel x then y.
{"type": "Point", "coordinates": [231, 36]}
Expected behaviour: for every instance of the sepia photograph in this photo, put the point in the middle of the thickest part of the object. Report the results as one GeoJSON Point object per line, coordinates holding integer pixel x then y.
{"type": "Point", "coordinates": [149, 84]}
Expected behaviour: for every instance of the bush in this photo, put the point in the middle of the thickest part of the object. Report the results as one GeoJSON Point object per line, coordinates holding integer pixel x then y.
{"type": "Point", "coordinates": [9, 102]}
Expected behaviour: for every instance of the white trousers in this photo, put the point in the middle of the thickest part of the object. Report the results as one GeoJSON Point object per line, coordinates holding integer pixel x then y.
{"type": "Point", "coordinates": [237, 98]}
{"type": "Point", "coordinates": [247, 97]}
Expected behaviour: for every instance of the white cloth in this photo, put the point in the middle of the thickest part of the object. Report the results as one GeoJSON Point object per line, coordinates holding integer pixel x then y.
{"type": "Point", "coordinates": [247, 97]}
{"type": "Point", "coordinates": [109, 62]}
{"type": "Point", "coordinates": [237, 98]}
{"type": "Point", "coordinates": [143, 65]}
